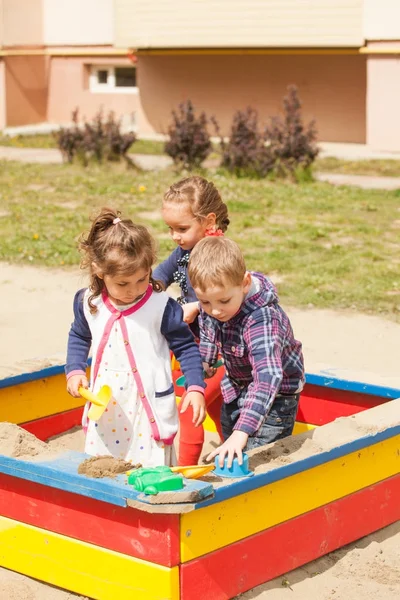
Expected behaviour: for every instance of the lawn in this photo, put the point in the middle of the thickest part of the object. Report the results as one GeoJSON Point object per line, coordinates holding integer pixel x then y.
{"type": "Point", "coordinates": [326, 246]}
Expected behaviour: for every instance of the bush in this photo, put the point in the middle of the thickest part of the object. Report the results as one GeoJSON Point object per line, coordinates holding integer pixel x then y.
{"type": "Point", "coordinates": [242, 153]}
{"type": "Point", "coordinates": [290, 145]}
{"type": "Point", "coordinates": [189, 141]}
{"type": "Point", "coordinates": [96, 140]}
{"type": "Point", "coordinates": [286, 147]}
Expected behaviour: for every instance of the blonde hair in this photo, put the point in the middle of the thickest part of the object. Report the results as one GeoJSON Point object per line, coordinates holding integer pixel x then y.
{"type": "Point", "coordinates": [216, 261]}
{"type": "Point", "coordinates": [115, 246]}
{"type": "Point", "coordinates": [203, 198]}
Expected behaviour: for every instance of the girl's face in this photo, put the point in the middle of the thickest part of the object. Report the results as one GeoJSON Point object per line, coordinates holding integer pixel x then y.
{"type": "Point", "coordinates": [125, 289]}
{"type": "Point", "coordinates": [185, 229]}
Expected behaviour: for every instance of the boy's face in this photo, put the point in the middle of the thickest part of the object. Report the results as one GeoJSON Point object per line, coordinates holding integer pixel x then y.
{"type": "Point", "coordinates": [223, 302]}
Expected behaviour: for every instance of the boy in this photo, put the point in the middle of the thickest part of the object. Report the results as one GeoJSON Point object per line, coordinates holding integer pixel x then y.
{"type": "Point", "coordinates": [241, 319]}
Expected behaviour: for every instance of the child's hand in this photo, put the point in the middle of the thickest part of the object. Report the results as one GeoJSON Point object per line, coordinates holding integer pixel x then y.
{"type": "Point", "coordinates": [233, 445]}
{"type": "Point", "coordinates": [197, 402]}
{"type": "Point", "coordinates": [75, 382]}
{"type": "Point", "coordinates": [209, 370]}
{"type": "Point", "coordinates": [190, 311]}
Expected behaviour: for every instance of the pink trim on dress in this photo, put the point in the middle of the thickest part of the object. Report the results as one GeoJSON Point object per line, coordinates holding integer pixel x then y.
{"type": "Point", "coordinates": [115, 316]}
{"type": "Point", "coordinates": [139, 383]}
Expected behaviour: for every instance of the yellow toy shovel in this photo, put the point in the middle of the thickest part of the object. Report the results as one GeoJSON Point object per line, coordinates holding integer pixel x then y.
{"type": "Point", "coordinates": [193, 471]}
{"type": "Point", "coordinates": [98, 403]}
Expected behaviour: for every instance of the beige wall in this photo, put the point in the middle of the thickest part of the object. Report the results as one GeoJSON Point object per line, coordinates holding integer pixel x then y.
{"type": "Point", "coordinates": [69, 88]}
{"type": "Point", "coordinates": [332, 89]}
{"type": "Point", "coordinates": [78, 22]}
{"type": "Point", "coordinates": [26, 89]}
{"type": "Point", "coordinates": [2, 95]}
{"type": "Point", "coordinates": [237, 23]}
{"type": "Point", "coordinates": [383, 102]}
{"type": "Point", "coordinates": [382, 19]}
{"type": "Point", "coordinates": [22, 22]}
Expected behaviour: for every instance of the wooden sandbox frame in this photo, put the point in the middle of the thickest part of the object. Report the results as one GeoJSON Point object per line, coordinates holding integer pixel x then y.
{"type": "Point", "coordinates": [104, 540]}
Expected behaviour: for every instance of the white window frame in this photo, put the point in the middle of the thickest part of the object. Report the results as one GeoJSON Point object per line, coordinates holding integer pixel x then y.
{"type": "Point", "coordinates": [109, 87]}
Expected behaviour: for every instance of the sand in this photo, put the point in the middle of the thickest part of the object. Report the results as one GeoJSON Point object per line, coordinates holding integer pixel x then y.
{"type": "Point", "coordinates": [35, 314]}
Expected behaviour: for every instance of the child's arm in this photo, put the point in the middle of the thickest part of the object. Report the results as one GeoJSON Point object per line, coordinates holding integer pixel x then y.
{"type": "Point", "coordinates": [79, 342]}
{"type": "Point", "coordinates": [264, 339]}
{"type": "Point", "coordinates": [181, 343]}
{"type": "Point", "coordinates": [165, 271]}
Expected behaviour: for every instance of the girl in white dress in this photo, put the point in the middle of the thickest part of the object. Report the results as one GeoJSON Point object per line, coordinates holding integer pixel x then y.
{"type": "Point", "coordinates": [131, 326]}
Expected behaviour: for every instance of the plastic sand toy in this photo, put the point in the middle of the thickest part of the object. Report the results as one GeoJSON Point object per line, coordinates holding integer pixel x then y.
{"type": "Point", "coordinates": [235, 470]}
{"type": "Point", "coordinates": [99, 402]}
{"type": "Point", "coordinates": [153, 480]}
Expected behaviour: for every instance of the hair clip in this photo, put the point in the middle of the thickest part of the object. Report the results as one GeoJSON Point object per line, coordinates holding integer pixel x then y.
{"type": "Point", "coordinates": [116, 220]}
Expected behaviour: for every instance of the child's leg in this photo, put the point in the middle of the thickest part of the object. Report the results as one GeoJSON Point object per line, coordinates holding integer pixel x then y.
{"type": "Point", "coordinates": [191, 438]}
{"type": "Point", "coordinates": [279, 422]}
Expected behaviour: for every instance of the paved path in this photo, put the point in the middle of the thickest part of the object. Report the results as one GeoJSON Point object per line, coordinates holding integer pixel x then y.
{"type": "Point", "coordinates": [368, 182]}
{"type": "Point", "coordinates": [148, 162]}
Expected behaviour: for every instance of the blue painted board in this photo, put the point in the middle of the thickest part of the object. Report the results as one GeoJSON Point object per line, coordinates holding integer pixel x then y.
{"type": "Point", "coordinates": [247, 484]}
{"type": "Point", "coordinates": [62, 473]}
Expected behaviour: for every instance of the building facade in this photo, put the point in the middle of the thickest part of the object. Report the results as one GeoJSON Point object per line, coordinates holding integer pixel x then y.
{"type": "Point", "coordinates": [56, 56]}
{"type": "Point", "coordinates": [141, 58]}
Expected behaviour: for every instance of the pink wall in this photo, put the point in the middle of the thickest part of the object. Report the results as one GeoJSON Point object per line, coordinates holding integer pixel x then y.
{"type": "Point", "coordinates": [332, 88]}
{"type": "Point", "coordinates": [383, 102]}
{"type": "Point", "coordinates": [69, 88]}
{"type": "Point", "coordinates": [26, 89]}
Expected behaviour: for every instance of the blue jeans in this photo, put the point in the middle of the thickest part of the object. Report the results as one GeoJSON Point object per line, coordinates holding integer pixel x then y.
{"type": "Point", "coordinates": [278, 424]}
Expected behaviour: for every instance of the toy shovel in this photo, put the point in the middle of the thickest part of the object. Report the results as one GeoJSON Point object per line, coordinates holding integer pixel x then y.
{"type": "Point", "coordinates": [193, 471]}
{"type": "Point", "coordinates": [98, 402]}
{"type": "Point", "coordinates": [181, 380]}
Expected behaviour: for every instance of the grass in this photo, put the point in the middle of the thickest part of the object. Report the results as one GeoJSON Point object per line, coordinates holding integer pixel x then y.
{"type": "Point", "coordinates": [380, 168]}
{"type": "Point", "coordinates": [48, 141]}
{"type": "Point", "coordinates": [334, 247]}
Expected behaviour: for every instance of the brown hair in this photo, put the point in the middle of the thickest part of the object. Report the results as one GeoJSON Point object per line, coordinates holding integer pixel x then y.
{"type": "Point", "coordinates": [116, 246]}
{"type": "Point", "coordinates": [203, 198]}
{"type": "Point", "coordinates": [216, 261]}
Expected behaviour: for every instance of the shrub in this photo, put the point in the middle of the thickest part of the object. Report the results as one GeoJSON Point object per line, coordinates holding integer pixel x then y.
{"type": "Point", "coordinates": [289, 144]}
{"type": "Point", "coordinates": [242, 153]}
{"type": "Point", "coordinates": [189, 142]}
{"type": "Point", "coordinates": [101, 139]}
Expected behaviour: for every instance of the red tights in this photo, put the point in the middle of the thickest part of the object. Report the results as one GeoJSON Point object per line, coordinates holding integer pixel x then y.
{"type": "Point", "coordinates": [192, 438]}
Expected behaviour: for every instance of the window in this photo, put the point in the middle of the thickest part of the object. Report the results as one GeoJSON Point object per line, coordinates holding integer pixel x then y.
{"type": "Point", "coordinates": [113, 80]}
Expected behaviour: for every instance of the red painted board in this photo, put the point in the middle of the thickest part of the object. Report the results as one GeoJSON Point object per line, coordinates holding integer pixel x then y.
{"type": "Point", "coordinates": [236, 568]}
{"type": "Point", "coordinates": [54, 424]}
{"type": "Point", "coordinates": [319, 405]}
{"type": "Point", "coordinates": [151, 537]}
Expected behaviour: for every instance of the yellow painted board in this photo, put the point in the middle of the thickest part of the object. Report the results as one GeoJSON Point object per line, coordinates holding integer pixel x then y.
{"type": "Point", "coordinates": [207, 529]}
{"type": "Point", "coordinates": [36, 399]}
{"type": "Point", "coordinates": [302, 427]}
{"type": "Point", "coordinates": [83, 568]}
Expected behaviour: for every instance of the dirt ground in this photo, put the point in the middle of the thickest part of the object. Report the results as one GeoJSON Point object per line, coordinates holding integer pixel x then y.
{"type": "Point", "coordinates": [35, 314]}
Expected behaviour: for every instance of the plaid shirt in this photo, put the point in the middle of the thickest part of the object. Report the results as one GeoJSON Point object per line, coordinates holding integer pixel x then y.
{"type": "Point", "coordinates": [262, 357]}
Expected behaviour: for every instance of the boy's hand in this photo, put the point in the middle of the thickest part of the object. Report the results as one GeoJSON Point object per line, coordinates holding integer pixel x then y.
{"type": "Point", "coordinates": [198, 404]}
{"type": "Point", "coordinates": [209, 370]}
{"type": "Point", "coordinates": [75, 382]}
{"type": "Point", "coordinates": [233, 445]}
{"type": "Point", "coordinates": [190, 311]}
